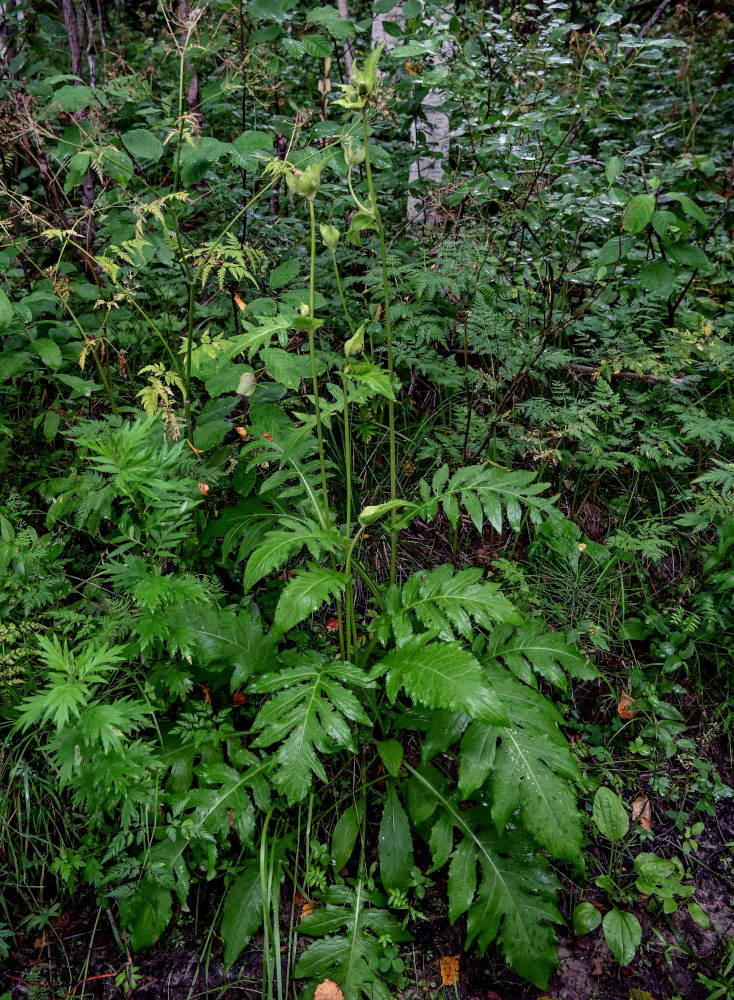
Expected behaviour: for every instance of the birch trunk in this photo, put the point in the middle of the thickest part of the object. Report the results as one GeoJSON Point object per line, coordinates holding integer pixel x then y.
{"type": "Point", "coordinates": [192, 92]}
{"type": "Point", "coordinates": [379, 35]}
{"type": "Point", "coordinates": [434, 127]}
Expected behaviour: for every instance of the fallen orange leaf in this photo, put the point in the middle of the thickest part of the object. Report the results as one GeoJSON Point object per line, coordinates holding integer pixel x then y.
{"type": "Point", "coordinates": [306, 910]}
{"type": "Point", "coordinates": [199, 451]}
{"type": "Point", "coordinates": [240, 303]}
{"type": "Point", "coordinates": [450, 970]}
{"type": "Point", "coordinates": [624, 709]}
{"type": "Point", "coordinates": [203, 489]}
{"type": "Point", "coordinates": [641, 810]}
{"type": "Point", "coordinates": [242, 431]}
{"type": "Point", "coordinates": [328, 990]}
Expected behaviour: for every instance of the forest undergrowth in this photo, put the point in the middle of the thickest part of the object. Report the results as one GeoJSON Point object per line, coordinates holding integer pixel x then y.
{"type": "Point", "coordinates": [367, 522]}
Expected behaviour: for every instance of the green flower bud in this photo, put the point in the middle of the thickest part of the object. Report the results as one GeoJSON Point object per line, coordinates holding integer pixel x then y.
{"type": "Point", "coordinates": [353, 156]}
{"type": "Point", "coordinates": [363, 82]}
{"type": "Point", "coordinates": [305, 182]}
{"type": "Point", "coordinates": [330, 235]}
{"type": "Point", "coordinates": [355, 344]}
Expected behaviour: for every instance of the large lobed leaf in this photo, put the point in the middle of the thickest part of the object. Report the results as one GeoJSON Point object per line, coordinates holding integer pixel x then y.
{"type": "Point", "coordinates": [486, 494]}
{"type": "Point", "coordinates": [310, 587]}
{"type": "Point", "coordinates": [532, 768]}
{"type": "Point", "coordinates": [441, 675]}
{"type": "Point", "coordinates": [308, 715]}
{"type": "Point", "coordinates": [529, 651]}
{"type": "Point", "coordinates": [445, 602]}
{"type": "Point", "coordinates": [512, 901]}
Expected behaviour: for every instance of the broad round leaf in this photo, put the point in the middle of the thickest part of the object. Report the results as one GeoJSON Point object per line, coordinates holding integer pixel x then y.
{"type": "Point", "coordinates": [638, 213]}
{"type": "Point", "coordinates": [143, 145]}
{"type": "Point", "coordinates": [623, 934]}
{"type": "Point", "coordinates": [586, 918]}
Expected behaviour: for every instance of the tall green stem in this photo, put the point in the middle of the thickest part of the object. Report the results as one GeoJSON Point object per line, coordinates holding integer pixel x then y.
{"type": "Point", "coordinates": [350, 623]}
{"type": "Point", "coordinates": [388, 334]}
{"type": "Point", "coordinates": [317, 403]}
{"type": "Point", "coordinates": [312, 355]}
{"type": "Point", "coordinates": [341, 293]}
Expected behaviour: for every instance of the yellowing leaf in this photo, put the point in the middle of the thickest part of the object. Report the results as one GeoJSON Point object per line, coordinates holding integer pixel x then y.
{"type": "Point", "coordinates": [624, 709]}
{"type": "Point", "coordinates": [450, 970]}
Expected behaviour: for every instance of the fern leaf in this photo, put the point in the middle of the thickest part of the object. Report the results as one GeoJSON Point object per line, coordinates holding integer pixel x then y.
{"type": "Point", "coordinates": [310, 587]}
{"type": "Point", "coordinates": [441, 675]}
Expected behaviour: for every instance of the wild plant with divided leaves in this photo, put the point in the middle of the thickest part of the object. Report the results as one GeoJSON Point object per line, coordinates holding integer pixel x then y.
{"type": "Point", "coordinates": [237, 653]}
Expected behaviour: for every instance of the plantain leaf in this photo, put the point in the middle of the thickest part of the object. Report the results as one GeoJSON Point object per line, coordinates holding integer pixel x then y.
{"type": "Point", "coordinates": [345, 834]}
{"type": "Point", "coordinates": [242, 912]}
{"type": "Point", "coordinates": [394, 843]}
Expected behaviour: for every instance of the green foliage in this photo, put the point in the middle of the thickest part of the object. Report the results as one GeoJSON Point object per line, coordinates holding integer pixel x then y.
{"type": "Point", "coordinates": [403, 508]}
{"type": "Point", "coordinates": [308, 715]}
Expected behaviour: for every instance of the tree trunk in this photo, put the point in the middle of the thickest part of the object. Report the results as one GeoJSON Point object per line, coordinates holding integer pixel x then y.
{"type": "Point", "coordinates": [435, 129]}
{"type": "Point", "coordinates": [12, 16]}
{"type": "Point", "coordinates": [192, 92]}
{"type": "Point", "coordinates": [348, 43]}
{"type": "Point", "coordinates": [75, 53]}
{"type": "Point", "coordinates": [379, 35]}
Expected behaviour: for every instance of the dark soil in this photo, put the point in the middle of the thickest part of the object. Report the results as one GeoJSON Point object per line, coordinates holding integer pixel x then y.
{"type": "Point", "coordinates": [81, 954]}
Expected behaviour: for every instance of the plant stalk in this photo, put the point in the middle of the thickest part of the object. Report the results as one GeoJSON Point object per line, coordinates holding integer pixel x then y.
{"type": "Point", "coordinates": [388, 335]}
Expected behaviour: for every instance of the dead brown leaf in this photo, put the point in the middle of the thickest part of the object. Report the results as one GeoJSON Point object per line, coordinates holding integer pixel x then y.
{"type": "Point", "coordinates": [641, 810]}
{"type": "Point", "coordinates": [328, 990]}
{"type": "Point", "coordinates": [624, 708]}
{"type": "Point", "coordinates": [450, 970]}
